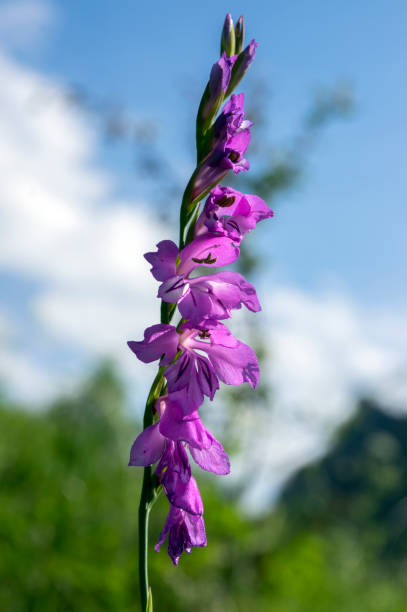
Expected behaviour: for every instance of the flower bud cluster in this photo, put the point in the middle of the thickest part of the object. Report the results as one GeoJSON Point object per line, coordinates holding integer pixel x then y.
{"type": "Point", "coordinates": [201, 352]}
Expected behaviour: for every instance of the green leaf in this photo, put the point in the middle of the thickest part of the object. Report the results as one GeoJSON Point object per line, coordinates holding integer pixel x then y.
{"type": "Point", "coordinates": [149, 607]}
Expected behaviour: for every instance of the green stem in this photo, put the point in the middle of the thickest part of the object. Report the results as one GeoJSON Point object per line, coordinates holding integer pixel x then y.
{"type": "Point", "coordinates": [143, 514]}
{"type": "Point", "coordinates": [150, 487]}
{"type": "Point", "coordinates": [149, 493]}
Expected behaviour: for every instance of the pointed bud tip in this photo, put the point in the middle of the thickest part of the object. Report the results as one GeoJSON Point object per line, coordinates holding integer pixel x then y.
{"type": "Point", "coordinates": [228, 36]}
{"type": "Point", "coordinates": [239, 34]}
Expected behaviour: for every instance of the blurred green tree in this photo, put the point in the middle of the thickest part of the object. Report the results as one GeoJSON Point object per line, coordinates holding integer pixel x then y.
{"type": "Point", "coordinates": [68, 503]}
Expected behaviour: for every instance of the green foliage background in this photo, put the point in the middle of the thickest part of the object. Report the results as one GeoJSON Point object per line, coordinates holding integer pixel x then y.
{"type": "Point", "coordinates": [68, 512]}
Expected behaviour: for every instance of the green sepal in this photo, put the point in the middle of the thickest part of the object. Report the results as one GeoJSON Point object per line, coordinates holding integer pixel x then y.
{"type": "Point", "coordinates": [204, 124]}
{"type": "Point", "coordinates": [191, 228]}
{"type": "Point", "coordinates": [167, 311]}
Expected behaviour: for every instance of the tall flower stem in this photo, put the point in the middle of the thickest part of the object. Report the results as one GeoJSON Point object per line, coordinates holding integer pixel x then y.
{"type": "Point", "coordinates": [150, 487]}
{"type": "Point", "coordinates": [143, 514]}
{"type": "Point", "coordinates": [149, 493]}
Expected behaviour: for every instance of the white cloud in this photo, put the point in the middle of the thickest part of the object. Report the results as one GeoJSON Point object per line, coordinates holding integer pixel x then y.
{"type": "Point", "coordinates": [325, 352]}
{"type": "Point", "coordinates": [63, 228]}
{"type": "Point", "coordinates": [18, 371]}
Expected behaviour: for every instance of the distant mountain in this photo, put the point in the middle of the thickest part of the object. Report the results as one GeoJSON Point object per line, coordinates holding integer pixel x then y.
{"type": "Point", "coordinates": [360, 483]}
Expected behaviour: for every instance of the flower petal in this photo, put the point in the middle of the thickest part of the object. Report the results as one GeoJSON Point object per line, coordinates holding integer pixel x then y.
{"type": "Point", "coordinates": [173, 289]}
{"type": "Point", "coordinates": [176, 426]}
{"type": "Point", "coordinates": [235, 365]}
{"type": "Point", "coordinates": [215, 295]}
{"type": "Point", "coordinates": [187, 497]}
{"type": "Point", "coordinates": [207, 378]}
{"type": "Point", "coordinates": [148, 447]}
{"type": "Point", "coordinates": [185, 531]}
{"type": "Point", "coordinates": [212, 459]}
{"type": "Point", "coordinates": [163, 260]}
{"type": "Point", "coordinates": [160, 340]}
{"type": "Point", "coordinates": [183, 376]}
{"type": "Point", "coordinates": [207, 251]}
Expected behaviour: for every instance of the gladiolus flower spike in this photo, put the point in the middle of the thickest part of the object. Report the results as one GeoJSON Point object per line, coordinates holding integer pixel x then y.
{"type": "Point", "coordinates": [200, 352]}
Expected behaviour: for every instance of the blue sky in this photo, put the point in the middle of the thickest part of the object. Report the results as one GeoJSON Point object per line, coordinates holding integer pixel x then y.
{"type": "Point", "coordinates": [75, 219]}
{"type": "Point", "coordinates": [347, 225]}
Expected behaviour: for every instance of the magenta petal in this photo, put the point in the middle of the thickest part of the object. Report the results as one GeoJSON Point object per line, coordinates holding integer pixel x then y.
{"type": "Point", "coordinates": [163, 260]}
{"type": "Point", "coordinates": [207, 251]}
{"type": "Point", "coordinates": [174, 425]}
{"type": "Point", "coordinates": [233, 361]}
{"type": "Point", "coordinates": [229, 212]}
{"type": "Point", "coordinates": [173, 517]}
{"type": "Point", "coordinates": [160, 340]}
{"type": "Point", "coordinates": [233, 202]}
{"type": "Point", "coordinates": [173, 466]}
{"type": "Point", "coordinates": [241, 165]}
{"type": "Point", "coordinates": [235, 365]}
{"type": "Point", "coordinates": [182, 376]}
{"type": "Point", "coordinates": [174, 473]}
{"type": "Point", "coordinates": [185, 531]}
{"type": "Point", "coordinates": [213, 459]}
{"type": "Point", "coordinates": [223, 336]}
{"type": "Point", "coordinates": [173, 289]}
{"type": "Point", "coordinates": [239, 141]}
{"type": "Point", "coordinates": [246, 292]}
{"type": "Point", "coordinates": [213, 296]}
{"type": "Point", "coordinates": [187, 497]}
{"type": "Point", "coordinates": [148, 447]}
{"type": "Point", "coordinates": [208, 380]}
{"type": "Point", "coordinates": [198, 304]}
{"type": "Point", "coordinates": [258, 207]}
{"type": "Point", "coordinates": [195, 529]}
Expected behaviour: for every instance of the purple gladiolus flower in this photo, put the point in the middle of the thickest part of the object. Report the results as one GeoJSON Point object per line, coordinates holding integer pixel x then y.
{"type": "Point", "coordinates": [185, 532]}
{"type": "Point", "coordinates": [231, 137]}
{"type": "Point", "coordinates": [205, 251]}
{"type": "Point", "coordinates": [231, 121]}
{"type": "Point", "coordinates": [228, 212]}
{"type": "Point", "coordinates": [203, 297]}
{"type": "Point", "coordinates": [200, 352]}
{"type": "Point", "coordinates": [158, 440]}
{"type": "Point", "coordinates": [205, 450]}
{"type": "Point", "coordinates": [209, 297]}
{"type": "Point", "coordinates": [229, 360]}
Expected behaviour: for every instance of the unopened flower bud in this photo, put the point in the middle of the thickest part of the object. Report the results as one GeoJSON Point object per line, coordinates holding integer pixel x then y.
{"type": "Point", "coordinates": [227, 41]}
{"type": "Point", "coordinates": [239, 35]}
{"type": "Point", "coordinates": [218, 84]}
{"type": "Point", "coordinates": [241, 66]}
